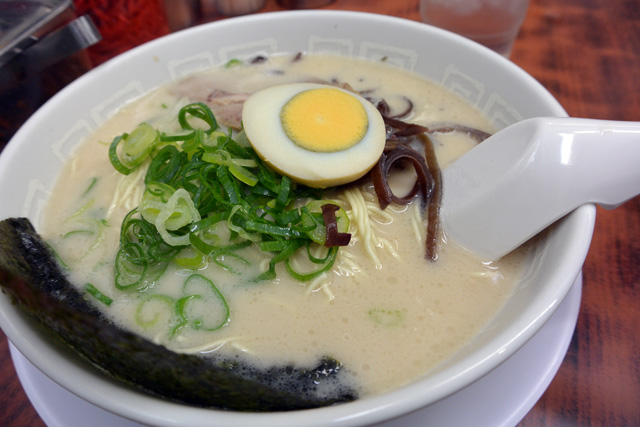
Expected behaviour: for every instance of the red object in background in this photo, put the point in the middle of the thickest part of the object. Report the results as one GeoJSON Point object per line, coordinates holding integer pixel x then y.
{"type": "Point", "coordinates": [123, 24]}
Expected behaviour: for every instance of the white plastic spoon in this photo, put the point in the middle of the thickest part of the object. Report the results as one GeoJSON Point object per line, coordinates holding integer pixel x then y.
{"type": "Point", "coordinates": [528, 175]}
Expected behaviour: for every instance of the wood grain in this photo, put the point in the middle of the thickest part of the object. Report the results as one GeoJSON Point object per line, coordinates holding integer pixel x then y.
{"type": "Point", "coordinates": [16, 408]}
{"type": "Point", "coordinates": [587, 54]}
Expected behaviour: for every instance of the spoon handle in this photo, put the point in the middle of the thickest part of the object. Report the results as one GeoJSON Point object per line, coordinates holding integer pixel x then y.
{"type": "Point", "coordinates": [528, 175]}
{"type": "Point", "coordinates": [606, 156]}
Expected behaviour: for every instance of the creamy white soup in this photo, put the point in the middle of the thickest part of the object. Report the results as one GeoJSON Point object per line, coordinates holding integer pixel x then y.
{"type": "Point", "coordinates": [386, 313]}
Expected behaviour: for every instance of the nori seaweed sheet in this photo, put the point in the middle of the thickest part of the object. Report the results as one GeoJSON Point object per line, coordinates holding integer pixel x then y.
{"type": "Point", "coordinates": [30, 273]}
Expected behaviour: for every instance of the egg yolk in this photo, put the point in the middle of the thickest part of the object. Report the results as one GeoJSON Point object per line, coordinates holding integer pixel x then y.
{"type": "Point", "coordinates": [324, 120]}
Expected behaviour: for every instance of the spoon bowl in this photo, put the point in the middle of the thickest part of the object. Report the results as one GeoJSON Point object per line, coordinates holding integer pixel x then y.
{"type": "Point", "coordinates": [532, 173]}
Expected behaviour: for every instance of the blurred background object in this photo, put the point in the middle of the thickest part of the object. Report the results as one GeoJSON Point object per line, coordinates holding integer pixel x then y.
{"type": "Point", "coordinates": [493, 23]}
{"type": "Point", "coordinates": [239, 7]}
{"type": "Point", "coordinates": [181, 14]}
{"type": "Point", "coordinates": [42, 49]}
{"type": "Point", "coordinates": [124, 24]}
{"type": "Point", "coordinates": [303, 4]}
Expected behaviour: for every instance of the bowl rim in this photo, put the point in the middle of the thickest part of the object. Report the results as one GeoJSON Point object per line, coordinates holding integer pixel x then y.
{"type": "Point", "coordinates": [366, 410]}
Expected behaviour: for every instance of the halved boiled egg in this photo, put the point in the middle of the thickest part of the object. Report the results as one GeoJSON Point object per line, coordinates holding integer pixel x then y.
{"type": "Point", "coordinates": [318, 135]}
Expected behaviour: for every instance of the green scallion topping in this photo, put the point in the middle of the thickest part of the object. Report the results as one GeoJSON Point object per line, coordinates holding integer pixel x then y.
{"type": "Point", "coordinates": [386, 317]}
{"type": "Point", "coordinates": [233, 63]}
{"type": "Point", "coordinates": [93, 182]}
{"type": "Point", "coordinates": [198, 180]}
{"type": "Point", "coordinates": [134, 148]}
{"type": "Point", "coordinates": [201, 307]}
{"type": "Point", "coordinates": [93, 291]}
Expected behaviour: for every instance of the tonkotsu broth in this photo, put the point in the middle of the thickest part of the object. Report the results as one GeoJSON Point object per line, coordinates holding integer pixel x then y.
{"type": "Point", "coordinates": [387, 322]}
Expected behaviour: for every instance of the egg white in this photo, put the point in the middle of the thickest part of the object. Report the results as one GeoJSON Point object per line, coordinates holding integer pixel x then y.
{"type": "Point", "coordinates": [263, 127]}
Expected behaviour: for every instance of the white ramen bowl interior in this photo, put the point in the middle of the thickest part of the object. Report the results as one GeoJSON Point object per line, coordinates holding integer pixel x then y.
{"type": "Point", "coordinates": [505, 93]}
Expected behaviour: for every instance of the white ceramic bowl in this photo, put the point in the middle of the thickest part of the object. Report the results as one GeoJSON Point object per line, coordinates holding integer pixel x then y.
{"type": "Point", "coordinates": [31, 161]}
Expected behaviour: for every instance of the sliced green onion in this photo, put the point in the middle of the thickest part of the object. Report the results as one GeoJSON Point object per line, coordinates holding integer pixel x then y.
{"type": "Point", "coordinates": [200, 177]}
{"type": "Point", "coordinates": [209, 221]}
{"type": "Point", "coordinates": [283, 194]}
{"type": "Point", "coordinates": [304, 277]}
{"type": "Point", "coordinates": [93, 182]}
{"type": "Point", "coordinates": [387, 318]}
{"type": "Point", "coordinates": [227, 184]}
{"type": "Point", "coordinates": [198, 110]}
{"type": "Point", "coordinates": [243, 175]}
{"type": "Point", "coordinates": [143, 256]}
{"type": "Point", "coordinates": [178, 212]}
{"type": "Point", "coordinates": [323, 260]}
{"type": "Point", "coordinates": [87, 226]}
{"type": "Point", "coordinates": [140, 142]}
{"type": "Point", "coordinates": [58, 258]}
{"type": "Point", "coordinates": [236, 212]}
{"type": "Point", "coordinates": [113, 157]}
{"type": "Point", "coordinates": [288, 217]}
{"type": "Point", "coordinates": [242, 140]}
{"type": "Point", "coordinates": [136, 148]}
{"type": "Point", "coordinates": [291, 247]}
{"type": "Point", "coordinates": [271, 229]}
{"type": "Point", "coordinates": [139, 315]}
{"type": "Point", "coordinates": [222, 157]}
{"type": "Point", "coordinates": [165, 166]}
{"type": "Point", "coordinates": [190, 258]}
{"type": "Point", "coordinates": [214, 294]}
{"type": "Point", "coordinates": [82, 209]}
{"type": "Point", "coordinates": [74, 232]}
{"type": "Point", "coordinates": [93, 291]}
{"type": "Point", "coordinates": [233, 63]}
{"type": "Point", "coordinates": [273, 245]}
{"type": "Point", "coordinates": [182, 135]}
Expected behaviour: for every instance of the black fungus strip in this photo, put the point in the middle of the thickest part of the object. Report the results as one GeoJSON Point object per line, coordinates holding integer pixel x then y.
{"type": "Point", "coordinates": [383, 108]}
{"type": "Point", "coordinates": [399, 135]}
{"type": "Point", "coordinates": [433, 210]}
{"type": "Point", "coordinates": [258, 59]}
{"type": "Point", "coordinates": [380, 185]}
{"type": "Point", "coordinates": [334, 237]}
{"type": "Point", "coordinates": [396, 128]}
{"type": "Point", "coordinates": [380, 174]}
{"type": "Point", "coordinates": [477, 134]}
{"type": "Point", "coordinates": [406, 111]}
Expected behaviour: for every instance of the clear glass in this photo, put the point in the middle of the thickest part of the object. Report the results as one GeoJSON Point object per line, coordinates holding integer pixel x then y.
{"type": "Point", "coordinates": [493, 23]}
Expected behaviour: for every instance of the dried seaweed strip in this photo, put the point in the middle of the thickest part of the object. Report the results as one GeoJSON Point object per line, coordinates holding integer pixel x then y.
{"type": "Point", "coordinates": [30, 274]}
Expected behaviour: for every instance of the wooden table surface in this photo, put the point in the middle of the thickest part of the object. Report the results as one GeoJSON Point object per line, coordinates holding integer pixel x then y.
{"type": "Point", "coordinates": [587, 54]}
